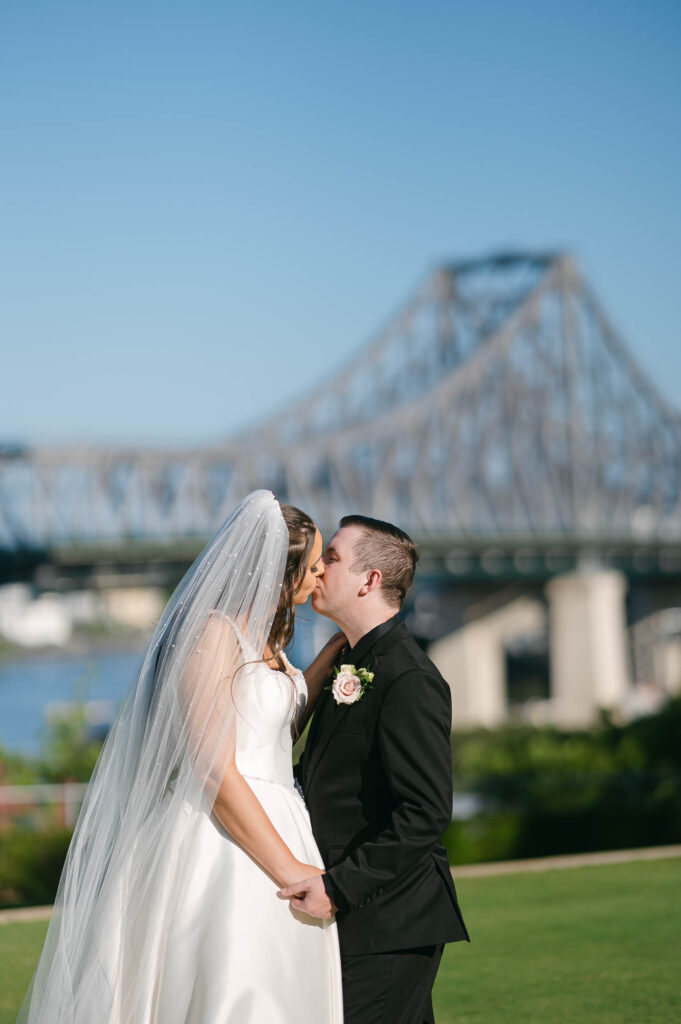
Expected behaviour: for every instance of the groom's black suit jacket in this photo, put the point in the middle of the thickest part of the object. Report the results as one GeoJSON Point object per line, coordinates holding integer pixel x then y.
{"type": "Point", "coordinates": [377, 777]}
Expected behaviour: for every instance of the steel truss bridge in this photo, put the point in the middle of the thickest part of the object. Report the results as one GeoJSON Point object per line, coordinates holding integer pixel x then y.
{"type": "Point", "coordinates": [497, 417]}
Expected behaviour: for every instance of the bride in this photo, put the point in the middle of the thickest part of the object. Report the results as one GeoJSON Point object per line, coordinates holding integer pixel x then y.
{"type": "Point", "coordinates": [167, 909]}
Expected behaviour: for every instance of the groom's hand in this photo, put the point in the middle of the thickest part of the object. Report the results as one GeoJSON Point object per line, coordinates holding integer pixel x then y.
{"type": "Point", "coordinates": [310, 896]}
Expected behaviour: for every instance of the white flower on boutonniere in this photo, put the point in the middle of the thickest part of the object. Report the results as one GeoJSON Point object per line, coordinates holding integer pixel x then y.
{"type": "Point", "coordinates": [350, 684]}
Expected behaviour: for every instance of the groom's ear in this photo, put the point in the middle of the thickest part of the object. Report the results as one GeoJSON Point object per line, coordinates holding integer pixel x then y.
{"type": "Point", "coordinates": [372, 582]}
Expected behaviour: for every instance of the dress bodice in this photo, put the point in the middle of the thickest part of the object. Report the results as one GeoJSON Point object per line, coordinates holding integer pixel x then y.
{"type": "Point", "coordinates": [267, 700]}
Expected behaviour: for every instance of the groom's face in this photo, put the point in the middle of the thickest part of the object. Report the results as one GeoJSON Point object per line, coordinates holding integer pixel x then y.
{"type": "Point", "coordinates": [339, 587]}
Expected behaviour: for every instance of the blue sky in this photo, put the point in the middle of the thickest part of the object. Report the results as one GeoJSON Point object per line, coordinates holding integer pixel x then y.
{"type": "Point", "coordinates": [207, 206]}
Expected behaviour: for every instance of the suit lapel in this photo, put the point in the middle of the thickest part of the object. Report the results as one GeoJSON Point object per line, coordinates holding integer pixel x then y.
{"type": "Point", "coordinates": [315, 724]}
{"type": "Point", "coordinates": [331, 717]}
{"type": "Point", "coordinates": [328, 715]}
{"type": "Point", "coordinates": [324, 709]}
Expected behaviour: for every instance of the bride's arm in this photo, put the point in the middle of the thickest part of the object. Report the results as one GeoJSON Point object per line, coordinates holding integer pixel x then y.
{"type": "Point", "coordinates": [242, 815]}
{"type": "Point", "coordinates": [207, 692]}
{"type": "Point", "coordinates": [318, 674]}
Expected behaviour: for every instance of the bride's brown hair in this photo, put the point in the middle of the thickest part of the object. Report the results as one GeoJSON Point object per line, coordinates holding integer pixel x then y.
{"type": "Point", "coordinates": [301, 535]}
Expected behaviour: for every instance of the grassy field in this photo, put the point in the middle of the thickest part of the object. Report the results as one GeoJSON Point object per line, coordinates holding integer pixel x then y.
{"type": "Point", "coordinates": [597, 945]}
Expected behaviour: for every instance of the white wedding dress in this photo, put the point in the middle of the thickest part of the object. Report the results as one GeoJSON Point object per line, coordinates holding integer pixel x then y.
{"type": "Point", "coordinates": [160, 918]}
{"type": "Point", "coordinates": [236, 953]}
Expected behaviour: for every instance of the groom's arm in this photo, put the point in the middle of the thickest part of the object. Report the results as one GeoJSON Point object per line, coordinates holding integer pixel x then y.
{"type": "Point", "coordinates": [414, 737]}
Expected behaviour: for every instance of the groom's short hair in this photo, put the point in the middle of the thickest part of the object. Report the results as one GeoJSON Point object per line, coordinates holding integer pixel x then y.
{"type": "Point", "coordinates": [384, 547]}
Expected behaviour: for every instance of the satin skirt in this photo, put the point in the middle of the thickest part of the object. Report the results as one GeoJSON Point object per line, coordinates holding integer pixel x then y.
{"type": "Point", "coordinates": [236, 953]}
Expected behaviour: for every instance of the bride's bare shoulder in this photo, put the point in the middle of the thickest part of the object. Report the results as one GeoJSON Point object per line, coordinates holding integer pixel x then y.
{"type": "Point", "coordinates": [221, 629]}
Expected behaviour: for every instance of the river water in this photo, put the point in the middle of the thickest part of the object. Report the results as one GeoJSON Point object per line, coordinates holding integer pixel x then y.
{"type": "Point", "coordinates": [30, 685]}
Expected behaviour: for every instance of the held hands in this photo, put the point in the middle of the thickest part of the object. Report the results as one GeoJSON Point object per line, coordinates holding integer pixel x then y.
{"type": "Point", "coordinates": [309, 895]}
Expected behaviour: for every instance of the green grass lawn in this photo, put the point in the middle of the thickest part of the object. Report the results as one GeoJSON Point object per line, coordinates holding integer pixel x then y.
{"type": "Point", "coordinates": [595, 945]}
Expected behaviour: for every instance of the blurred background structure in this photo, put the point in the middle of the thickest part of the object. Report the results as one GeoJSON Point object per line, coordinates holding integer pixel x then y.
{"type": "Point", "coordinates": [500, 420]}
{"type": "Point", "coordinates": [204, 208]}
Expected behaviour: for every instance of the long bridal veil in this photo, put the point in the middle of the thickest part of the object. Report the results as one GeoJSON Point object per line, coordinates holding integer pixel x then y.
{"type": "Point", "coordinates": [160, 768]}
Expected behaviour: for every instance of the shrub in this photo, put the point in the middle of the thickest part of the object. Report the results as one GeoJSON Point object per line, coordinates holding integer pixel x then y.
{"type": "Point", "coordinates": [30, 865]}
{"type": "Point", "coordinates": [70, 753]}
{"type": "Point", "coordinates": [547, 792]}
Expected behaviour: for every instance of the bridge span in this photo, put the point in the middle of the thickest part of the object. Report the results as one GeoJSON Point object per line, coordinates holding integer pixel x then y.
{"type": "Point", "coordinates": [500, 419]}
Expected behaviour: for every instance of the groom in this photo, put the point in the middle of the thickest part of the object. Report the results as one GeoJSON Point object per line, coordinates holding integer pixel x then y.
{"type": "Point", "coordinates": [377, 776]}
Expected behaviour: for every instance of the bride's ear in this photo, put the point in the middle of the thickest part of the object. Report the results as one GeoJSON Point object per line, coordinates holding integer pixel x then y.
{"type": "Point", "coordinates": [372, 581]}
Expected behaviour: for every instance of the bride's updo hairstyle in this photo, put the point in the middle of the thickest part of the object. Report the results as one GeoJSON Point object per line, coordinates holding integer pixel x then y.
{"type": "Point", "coordinates": [301, 534]}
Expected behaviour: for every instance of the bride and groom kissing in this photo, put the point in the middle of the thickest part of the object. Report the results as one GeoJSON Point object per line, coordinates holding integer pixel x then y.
{"type": "Point", "coordinates": [205, 883]}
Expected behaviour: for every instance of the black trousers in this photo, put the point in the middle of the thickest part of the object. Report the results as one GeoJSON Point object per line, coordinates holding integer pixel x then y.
{"type": "Point", "coordinates": [390, 988]}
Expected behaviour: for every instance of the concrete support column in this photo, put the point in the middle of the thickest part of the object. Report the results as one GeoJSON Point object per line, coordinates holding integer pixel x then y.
{"type": "Point", "coordinates": [588, 630]}
{"type": "Point", "coordinates": [472, 661]}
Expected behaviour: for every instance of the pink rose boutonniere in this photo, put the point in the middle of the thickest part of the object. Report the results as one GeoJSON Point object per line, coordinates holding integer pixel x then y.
{"type": "Point", "coordinates": [350, 684]}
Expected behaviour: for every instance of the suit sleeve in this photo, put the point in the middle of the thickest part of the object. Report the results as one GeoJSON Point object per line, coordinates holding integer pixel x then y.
{"type": "Point", "coordinates": [414, 738]}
